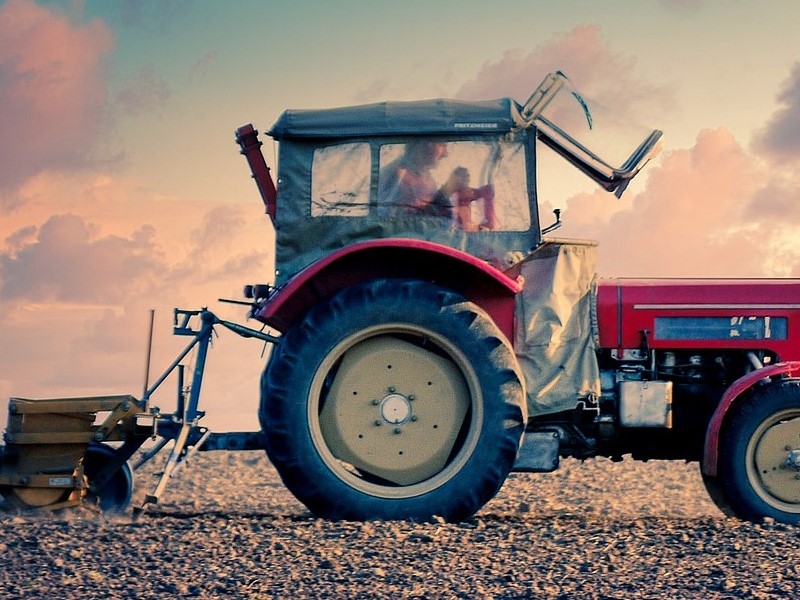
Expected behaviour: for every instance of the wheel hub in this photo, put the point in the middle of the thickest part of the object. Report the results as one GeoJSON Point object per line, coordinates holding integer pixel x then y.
{"type": "Point", "coordinates": [793, 460]}
{"type": "Point", "coordinates": [395, 409]}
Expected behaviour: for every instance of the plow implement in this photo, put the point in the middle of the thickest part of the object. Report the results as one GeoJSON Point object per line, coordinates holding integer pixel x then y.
{"type": "Point", "coordinates": [62, 452]}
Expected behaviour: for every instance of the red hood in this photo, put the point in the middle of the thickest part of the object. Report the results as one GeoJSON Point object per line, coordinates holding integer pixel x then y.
{"type": "Point", "coordinates": [700, 313]}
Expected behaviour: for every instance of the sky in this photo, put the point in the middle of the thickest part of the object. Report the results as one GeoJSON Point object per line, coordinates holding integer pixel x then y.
{"type": "Point", "coordinates": [122, 190]}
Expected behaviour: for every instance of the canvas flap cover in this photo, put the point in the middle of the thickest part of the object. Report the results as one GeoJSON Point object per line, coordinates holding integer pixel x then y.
{"type": "Point", "coordinates": [554, 339]}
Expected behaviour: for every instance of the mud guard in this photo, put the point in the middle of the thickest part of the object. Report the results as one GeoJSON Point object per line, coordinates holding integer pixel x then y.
{"type": "Point", "coordinates": [485, 285]}
{"type": "Point", "coordinates": [737, 388]}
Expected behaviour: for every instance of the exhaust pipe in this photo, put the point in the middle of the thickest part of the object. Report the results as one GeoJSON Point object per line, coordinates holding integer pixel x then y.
{"type": "Point", "coordinates": [247, 138]}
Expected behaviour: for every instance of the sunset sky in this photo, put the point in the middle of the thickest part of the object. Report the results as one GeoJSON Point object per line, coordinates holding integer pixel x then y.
{"type": "Point", "coordinates": [122, 190]}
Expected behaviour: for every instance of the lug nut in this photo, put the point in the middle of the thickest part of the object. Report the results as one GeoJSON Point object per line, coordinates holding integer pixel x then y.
{"type": "Point", "coordinates": [375, 402]}
{"type": "Point", "coordinates": [397, 430]}
{"type": "Point", "coordinates": [378, 422]}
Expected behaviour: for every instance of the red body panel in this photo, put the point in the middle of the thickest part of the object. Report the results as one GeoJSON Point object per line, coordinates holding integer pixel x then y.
{"type": "Point", "coordinates": [629, 307]}
{"type": "Point", "coordinates": [478, 281]}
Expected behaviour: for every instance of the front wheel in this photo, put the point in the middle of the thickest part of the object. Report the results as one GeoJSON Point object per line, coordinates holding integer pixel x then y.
{"type": "Point", "coordinates": [395, 399]}
{"type": "Point", "coordinates": [759, 464]}
{"type": "Point", "coordinates": [115, 495]}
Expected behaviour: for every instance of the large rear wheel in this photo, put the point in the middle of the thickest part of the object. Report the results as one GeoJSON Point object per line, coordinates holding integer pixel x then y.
{"type": "Point", "coordinates": [394, 399]}
{"type": "Point", "coordinates": [759, 465]}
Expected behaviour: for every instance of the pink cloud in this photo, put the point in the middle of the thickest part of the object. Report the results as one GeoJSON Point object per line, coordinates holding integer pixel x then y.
{"type": "Point", "coordinates": [52, 89]}
{"type": "Point", "coordinates": [67, 262]}
{"type": "Point", "coordinates": [713, 209]}
{"type": "Point", "coordinates": [75, 290]}
{"type": "Point", "coordinates": [589, 62]}
{"type": "Point", "coordinates": [694, 217]}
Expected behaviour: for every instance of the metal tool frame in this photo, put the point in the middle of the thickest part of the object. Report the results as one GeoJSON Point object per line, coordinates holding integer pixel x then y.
{"type": "Point", "coordinates": [133, 421]}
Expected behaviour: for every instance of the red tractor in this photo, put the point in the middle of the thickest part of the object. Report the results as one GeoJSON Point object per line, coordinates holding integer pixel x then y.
{"type": "Point", "coordinates": [432, 340]}
{"type": "Point", "coordinates": [428, 340]}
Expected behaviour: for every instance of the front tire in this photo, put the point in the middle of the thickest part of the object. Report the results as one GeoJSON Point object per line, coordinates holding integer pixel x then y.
{"type": "Point", "coordinates": [394, 399]}
{"type": "Point", "coordinates": [759, 465]}
{"type": "Point", "coordinates": [115, 495]}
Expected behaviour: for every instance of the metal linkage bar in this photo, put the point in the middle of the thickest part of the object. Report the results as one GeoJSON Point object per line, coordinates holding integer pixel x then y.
{"type": "Point", "coordinates": [182, 426]}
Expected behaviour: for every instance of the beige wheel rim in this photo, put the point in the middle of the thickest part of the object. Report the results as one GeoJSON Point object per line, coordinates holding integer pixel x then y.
{"type": "Point", "coordinates": [401, 412]}
{"type": "Point", "coordinates": [771, 467]}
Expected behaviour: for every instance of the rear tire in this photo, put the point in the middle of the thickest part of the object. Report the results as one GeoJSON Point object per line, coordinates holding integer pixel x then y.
{"type": "Point", "coordinates": [759, 462]}
{"type": "Point", "coordinates": [394, 399]}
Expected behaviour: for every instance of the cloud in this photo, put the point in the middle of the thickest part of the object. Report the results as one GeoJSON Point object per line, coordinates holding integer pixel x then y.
{"type": "Point", "coordinates": [204, 64]}
{"type": "Point", "coordinates": [76, 289]}
{"type": "Point", "coordinates": [144, 93]}
{"type": "Point", "coordinates": [776, 200]}
{"type": "Point", "coordinates": [780, 138]}
{"type": "Point", "coordinates": [53, 103]}
{"type": "Point", "coordinates": [66, 261]}
{"type": "Point", "coordinates": [622, 103]}
{"type": "Point", "coordinates": [695, 217]}
{"type": "Point", "coordinates": [585, 57]}
{"type": "Point", "coordinates": [714, 209]}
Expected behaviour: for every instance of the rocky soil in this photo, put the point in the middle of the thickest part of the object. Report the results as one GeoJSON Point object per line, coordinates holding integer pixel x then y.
{"type": "Point", "coordinates": [226, 527]}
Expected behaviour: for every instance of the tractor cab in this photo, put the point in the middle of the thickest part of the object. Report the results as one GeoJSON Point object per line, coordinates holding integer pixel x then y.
{"type": "Point", "coordinates": [461, 174]}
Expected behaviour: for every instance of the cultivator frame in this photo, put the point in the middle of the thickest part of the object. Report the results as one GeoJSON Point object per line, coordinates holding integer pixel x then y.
{"type": "Point", "coordinates": [45, 464]}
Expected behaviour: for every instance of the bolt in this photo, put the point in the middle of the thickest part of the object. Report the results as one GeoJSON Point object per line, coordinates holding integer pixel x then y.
{"type": "Point", "coordinates": [98, 436]}
{"type": "Point", "coordinates": [414, 417]}
{"type": "Point", "coordinates": [375, 402]}
{"type": "Point", "coordinates": [411, 397]}
{"type": "Point", "coordinates": [397, 430]}
{"type": "Point", "coordinates": [391, 389]}
{"type": "Point", "coordinates": [378, 422]}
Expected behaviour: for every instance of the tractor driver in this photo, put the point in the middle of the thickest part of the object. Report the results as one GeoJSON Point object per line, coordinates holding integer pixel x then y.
{"type": "Point", "coordinates": [406, 186]}
{"type": "Point", "coordinates": [407, 183]}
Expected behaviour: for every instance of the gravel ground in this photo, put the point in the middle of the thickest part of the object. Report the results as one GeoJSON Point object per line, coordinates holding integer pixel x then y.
{"type": "Point", "coordinates": [226, 527]}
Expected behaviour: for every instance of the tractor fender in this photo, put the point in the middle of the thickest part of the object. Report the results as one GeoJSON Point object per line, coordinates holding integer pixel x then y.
{"type": "Point", "coordinates": [735, 391]}
{"type": "Point", "coordinates": [481, 283]}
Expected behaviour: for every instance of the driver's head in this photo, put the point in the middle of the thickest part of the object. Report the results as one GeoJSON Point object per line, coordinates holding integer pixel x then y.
{"type": "Point", "coordinates": [425, 153]}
